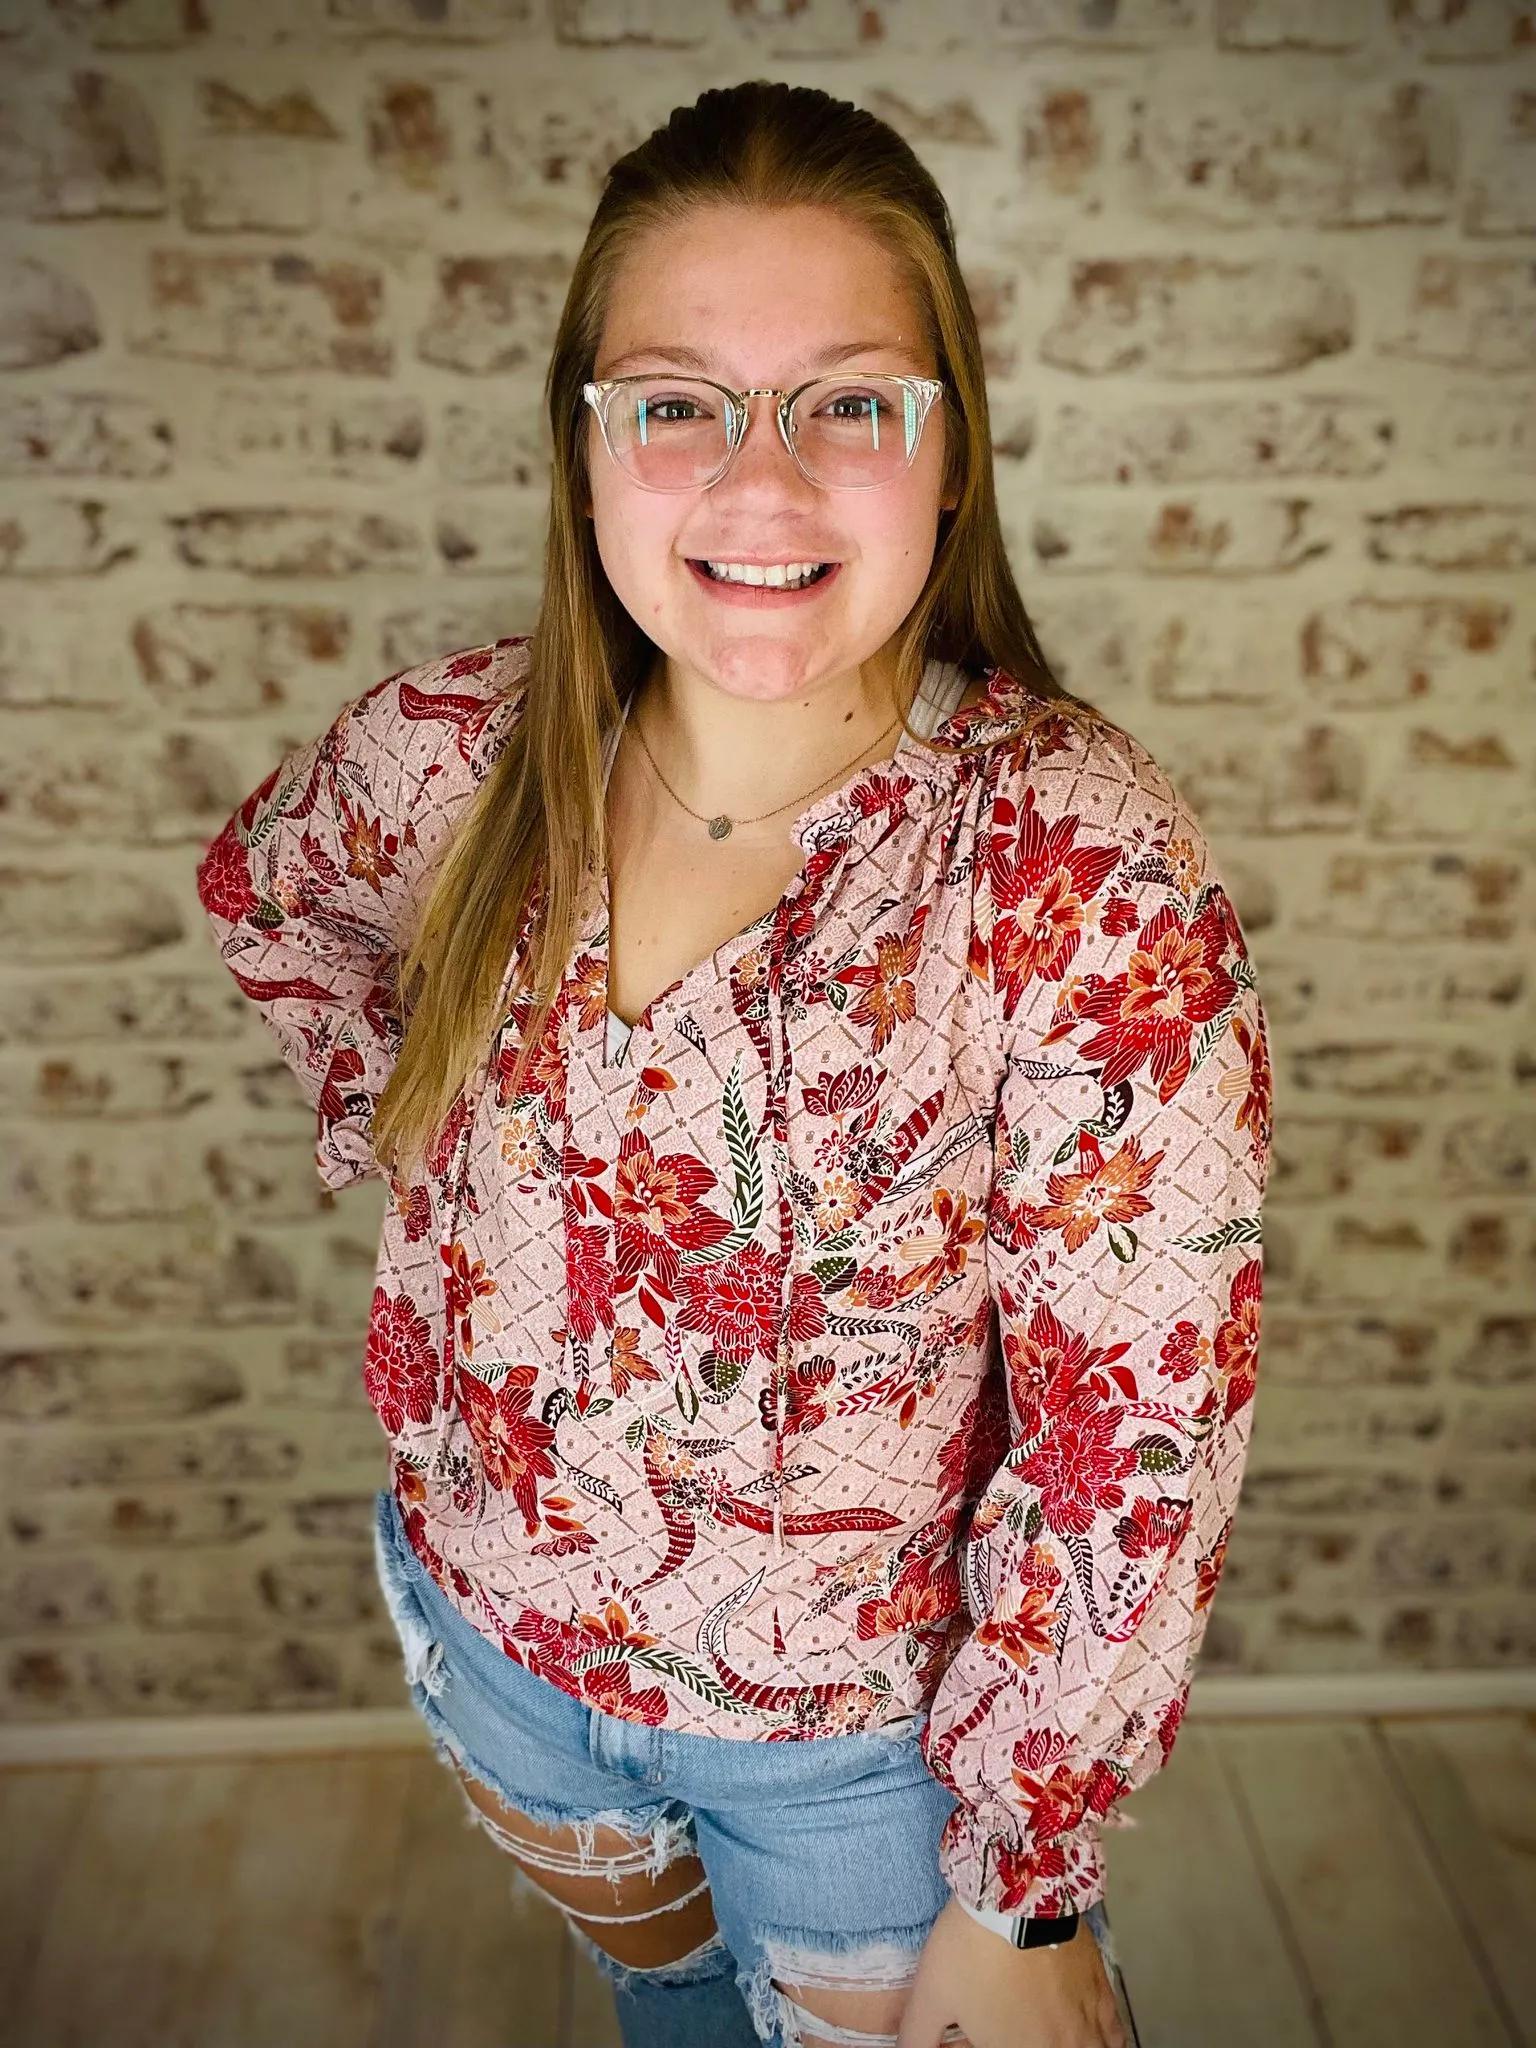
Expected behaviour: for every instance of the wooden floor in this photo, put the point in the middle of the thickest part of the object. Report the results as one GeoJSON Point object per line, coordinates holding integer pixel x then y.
{"type": "Point", "coordinates": [1288, 1884]}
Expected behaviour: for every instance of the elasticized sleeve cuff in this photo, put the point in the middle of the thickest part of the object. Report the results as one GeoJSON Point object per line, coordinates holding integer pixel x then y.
{"type": "Point", "coordinates": [991, 1867]}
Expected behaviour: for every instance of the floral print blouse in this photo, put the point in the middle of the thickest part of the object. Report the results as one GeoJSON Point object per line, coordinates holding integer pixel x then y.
{"type": "Point", "coordinates": [875, 1338]}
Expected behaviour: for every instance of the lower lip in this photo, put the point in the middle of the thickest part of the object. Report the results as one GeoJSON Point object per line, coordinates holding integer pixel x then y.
{"type": "Point", "coordinates": [764, 596]}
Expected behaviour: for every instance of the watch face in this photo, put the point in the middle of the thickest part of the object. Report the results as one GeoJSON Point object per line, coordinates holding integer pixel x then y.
{"type": "Point", "coordinates": [1047, 1933]}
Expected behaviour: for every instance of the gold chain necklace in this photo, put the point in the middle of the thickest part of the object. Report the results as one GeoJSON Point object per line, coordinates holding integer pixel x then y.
{"type": "Point", "coordinates": [720, 826]}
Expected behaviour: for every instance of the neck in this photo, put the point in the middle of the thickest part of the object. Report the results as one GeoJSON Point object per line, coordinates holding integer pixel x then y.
{"type": "Point", "coordinates": [744, 755]}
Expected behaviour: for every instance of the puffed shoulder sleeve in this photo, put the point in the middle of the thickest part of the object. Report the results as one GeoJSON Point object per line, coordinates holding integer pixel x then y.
{"type": "Point", "coordinates": [1130, 1155]}
{"type": "Point", "coordinates": [314, 885]}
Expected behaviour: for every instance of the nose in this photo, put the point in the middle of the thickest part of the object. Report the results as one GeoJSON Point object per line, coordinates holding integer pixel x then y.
{"type": "Point", "coordinates": [762, 459]}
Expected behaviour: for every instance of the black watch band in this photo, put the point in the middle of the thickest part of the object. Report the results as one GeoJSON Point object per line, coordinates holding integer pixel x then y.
{"type": "Point", "coordinates": [1039, 1933]}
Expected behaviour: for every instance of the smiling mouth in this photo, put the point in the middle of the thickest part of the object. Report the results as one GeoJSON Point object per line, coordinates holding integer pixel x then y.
{"type": "Point", "coordinates": [765, 576]}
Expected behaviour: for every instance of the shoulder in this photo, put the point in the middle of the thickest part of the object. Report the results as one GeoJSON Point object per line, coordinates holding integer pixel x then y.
{"type": "Point", "coordinates": [429, 734]}
{"type": "Point", "coordinates": [1067, 766]}
{"type": "Point", "coordinates": [1089, 858]}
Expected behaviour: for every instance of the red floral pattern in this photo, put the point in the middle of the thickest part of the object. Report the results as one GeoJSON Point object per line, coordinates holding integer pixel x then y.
{"type": "Point", "coordinates": [714, 1322]}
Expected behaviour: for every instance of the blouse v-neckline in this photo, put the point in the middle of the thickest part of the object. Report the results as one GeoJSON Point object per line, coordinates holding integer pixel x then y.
{"type": "Point", "coordinates": [939, 696]}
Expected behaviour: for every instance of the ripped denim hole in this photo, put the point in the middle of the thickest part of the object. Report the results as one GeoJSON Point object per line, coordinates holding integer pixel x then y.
{"type": "Point", "coordinates": [801, 2026]}
{"type": "Point", "coordinates": [709, 1960]}
{"type": "Point", "coordinates": [669, 1840]}
{"type": "Point", "coordinates": [882, 1966]}
{"type": "Point", "coordinates": [631, 1919]}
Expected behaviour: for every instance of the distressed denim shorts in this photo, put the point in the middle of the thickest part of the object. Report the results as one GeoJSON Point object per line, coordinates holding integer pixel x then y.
{"type": "Point", "coordinates": [821, 1856]}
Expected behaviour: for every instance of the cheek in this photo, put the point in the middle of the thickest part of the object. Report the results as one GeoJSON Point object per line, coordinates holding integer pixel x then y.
{"type": "Point", "coordinates": [896, 533]}
{"type": "Point", "coordinates": [634, 532]}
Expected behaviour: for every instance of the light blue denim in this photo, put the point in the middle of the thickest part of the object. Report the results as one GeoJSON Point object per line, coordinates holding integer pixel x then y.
{"type": "Point", "coordinates": [820, 1855]}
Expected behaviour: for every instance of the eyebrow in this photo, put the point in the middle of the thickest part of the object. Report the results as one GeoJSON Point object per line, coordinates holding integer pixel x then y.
{"type": "Point", "coordinates": [690, 358]}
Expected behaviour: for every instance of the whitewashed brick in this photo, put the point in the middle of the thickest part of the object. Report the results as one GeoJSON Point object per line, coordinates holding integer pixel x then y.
{"type": "Point", "coordinates": [1473, 312]}
{"type": "Point", "coordinates": [408, 136]}
{"type": "Point", "coordinates": [497, 444]}
{"type": "Point", "coordinates": [1405, 1069]}
{"type": "Point", "coordinates": [146, 1517]}
{"type": "Point", "coordinates": [670, 24]}
{"type": "Point", "coordinates": [552, 154]}
{"type": "Point", "coordinates": [1501, 197]}
{"type": "Point", "coordinates": [1212, 536]}
{"type": "Point", "coordinates": [75, 146]}
{"type": "Point", "coordinates": [1135, 24]}
{"type": "Point", "coordinates": [1092, 640]}
{"type": "Point", "coordinates": [262, 540]}
{"type": "Point", "coordinates": [422, 631]}
{"type": "Point", "coordinates": [117, 787]}
{"type": "Point", "coordinates": [71, 1083]}
{"type": "Point", "coordinates": [45, 314]}
{"type": "Point", "coordinates": [1452, 786]}
{"type": "Point", "coordinates": [136, 24]}
{"type": "Point", "coordinates": [1289, 25]}
{"type": "Point", "coordinates": [1459, 537]}
{"type": "Point", "coordinates": [247, 182]}
{"type": "Point", "coordinates": [1198, 316]}
{"type": "Point", "coordinates": [1478, 429]}
{"type": "Point", "coordinates": [1460, 29]}
{"type": "Point", "coordinates": [495, 538]}
{"type": "Point", "coordinates": [1329, 159]}
{"type": "Point", "coordinates": [66, 536]}
{"type": "Point", "coordinates": [1230, 654]}
{"type": "Point", "coordinates": [217, 660]}
{"type": "Point", "coordinates": [493, 313]}
{"type": "Point", "coordinates": [54, 1009]}
{"type": "Point", "coordinates": [1331, 1350]}
{"type": "Point", "coordinates": [148, 1383]}
{"type": "Point", "coordinates": [1417, 896]}
{"type": "Point", "coordinates": [445, 20]}
{"type": "Point", "coordinates": [230, 109]}
{"type": "Point", "coordinates": [127, 1276]}
{"type": "Point", "coordinates": [67, 658]}
{"type": "Point", "coordinates": [50, 915]}
{"type": "Point", "coordinates": [83, 433]}
{"type": "Point", "coordinates": [248, 312]}
{"type": "Point", "coordinates": [1378, 651]}
{"type": "Point", "coordinates": [1237, 440]}
{"type": "Point", "coordinates": [800, 28]}
{"type": "Point", "coordinates": [296, 433]}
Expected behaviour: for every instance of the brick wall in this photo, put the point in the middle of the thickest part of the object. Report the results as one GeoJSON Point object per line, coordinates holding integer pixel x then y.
{"type": "Point", "coordinates": [277, 283]}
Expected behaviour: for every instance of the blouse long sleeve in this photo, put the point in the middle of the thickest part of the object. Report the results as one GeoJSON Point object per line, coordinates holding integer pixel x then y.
{"type": "Point", "coordinates": [1131, 1150]}
{"type": "Point", "coordinates": [309, 889]}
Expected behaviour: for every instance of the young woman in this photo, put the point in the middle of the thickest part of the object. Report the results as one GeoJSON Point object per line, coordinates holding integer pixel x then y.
{"type": "Point", "coordinates": [824, 1104]}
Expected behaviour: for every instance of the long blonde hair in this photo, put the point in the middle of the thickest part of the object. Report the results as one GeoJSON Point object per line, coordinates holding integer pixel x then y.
{"type": "Point", "coordinates": [533, 840]}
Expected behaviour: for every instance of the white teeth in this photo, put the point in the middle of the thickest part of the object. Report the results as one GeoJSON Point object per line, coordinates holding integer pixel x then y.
{"type": "Point", "coordinates": [777, 575]}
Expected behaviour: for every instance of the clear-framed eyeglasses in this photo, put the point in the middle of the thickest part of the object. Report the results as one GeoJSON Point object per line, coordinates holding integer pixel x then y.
{"type": "Point", "coordinates": [843, 433]}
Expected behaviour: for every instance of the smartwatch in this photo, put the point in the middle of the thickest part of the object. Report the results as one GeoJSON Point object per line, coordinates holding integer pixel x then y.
{"type": "Point", "coordinates": [1027, 1930]}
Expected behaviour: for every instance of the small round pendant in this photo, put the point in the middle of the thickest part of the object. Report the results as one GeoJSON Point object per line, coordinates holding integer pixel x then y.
{"type": "Point", "coordinates": [720, 828]}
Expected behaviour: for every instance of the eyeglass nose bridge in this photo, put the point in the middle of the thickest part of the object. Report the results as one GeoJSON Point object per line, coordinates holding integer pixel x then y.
{"type": "Point", "coordinates": [739, 433]}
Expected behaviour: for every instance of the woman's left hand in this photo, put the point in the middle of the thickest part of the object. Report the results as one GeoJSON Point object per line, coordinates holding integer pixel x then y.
{"type": "Point", "coordinates": [1002, 1997]}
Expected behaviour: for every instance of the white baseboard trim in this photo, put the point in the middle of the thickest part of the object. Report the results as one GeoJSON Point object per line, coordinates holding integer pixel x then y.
{"type": "Point", "coordinates": [182, 1738]}
{"type": "Point", "coordinates": [1303, 1694]}
{"type": "Point", "coordinates": [185, 1737]}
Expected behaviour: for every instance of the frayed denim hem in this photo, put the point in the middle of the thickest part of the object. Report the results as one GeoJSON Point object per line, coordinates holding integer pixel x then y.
{"type": "Point", "coordinates": [702, 1965]}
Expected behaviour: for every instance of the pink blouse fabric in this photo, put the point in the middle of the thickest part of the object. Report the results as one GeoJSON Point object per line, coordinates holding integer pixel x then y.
{"type": "Point", "coordinates": [879, 1334]}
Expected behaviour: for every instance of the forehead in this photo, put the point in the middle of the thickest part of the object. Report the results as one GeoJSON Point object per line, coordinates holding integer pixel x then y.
{"type": "Point", "coordinates": [757, 293]}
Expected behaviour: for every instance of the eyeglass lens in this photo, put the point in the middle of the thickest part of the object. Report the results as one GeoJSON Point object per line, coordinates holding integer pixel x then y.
{"type": "Point", "coordinates": [673, 434]}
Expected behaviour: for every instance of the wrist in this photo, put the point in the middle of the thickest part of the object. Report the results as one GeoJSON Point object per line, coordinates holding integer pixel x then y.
{"type": "Point", "coordinates": [1024, 1930]}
